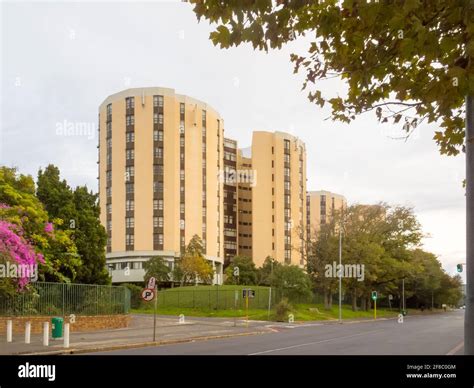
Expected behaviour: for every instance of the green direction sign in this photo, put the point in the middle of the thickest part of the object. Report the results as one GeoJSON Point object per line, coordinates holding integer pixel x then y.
{"type": "Point", "coordinates": [374, 295]}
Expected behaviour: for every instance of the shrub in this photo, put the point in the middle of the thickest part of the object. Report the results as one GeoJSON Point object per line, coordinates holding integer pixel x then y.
{"type": "Point", "coordinates": [282, 309]}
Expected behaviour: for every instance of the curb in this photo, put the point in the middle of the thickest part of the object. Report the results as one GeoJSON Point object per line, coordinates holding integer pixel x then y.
{"type": "Point", "coordinates": [138, 345]}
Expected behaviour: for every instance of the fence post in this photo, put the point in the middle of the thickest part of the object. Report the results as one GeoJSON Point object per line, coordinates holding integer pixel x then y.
{"type": "Point", "coordinates": [27, 332]}
{"type": "Point", "coordinates": [194, 301]}
{"type": "Point", "coordinates": [66, 335]}
{"type": "Point", "coordinates": [209, 299]}
{"type": "Point", "coordinates": [178, 297]}
{"type": "Point", "coordinates": [46, 334]}
{"type": "Point", "coordinates": [9, 330]}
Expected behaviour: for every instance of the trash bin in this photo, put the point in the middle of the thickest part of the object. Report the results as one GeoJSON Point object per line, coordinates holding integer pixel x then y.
{"type": "Point", "coordinates": [57, 327]}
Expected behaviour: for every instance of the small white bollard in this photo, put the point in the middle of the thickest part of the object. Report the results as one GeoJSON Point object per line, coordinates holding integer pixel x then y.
{"type": "Point", "coordinates": [46, 334]}
{"type": "Point", "coordinates": [9, 330]}
{"type": "Point", "coordinates": [66, 335]}
{"type": "Point", "coordinates": [27, 332]}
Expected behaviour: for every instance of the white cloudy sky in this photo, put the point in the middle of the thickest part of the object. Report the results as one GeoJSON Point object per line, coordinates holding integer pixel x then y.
{"type": "Point", "coordinates": [60, 60]}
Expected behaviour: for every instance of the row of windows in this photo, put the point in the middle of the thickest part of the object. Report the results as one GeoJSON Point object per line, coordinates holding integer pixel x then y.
{"type": "Point", "coordinates": [245, 247]}
{"type": "Point", "coordinates": [245, 235]}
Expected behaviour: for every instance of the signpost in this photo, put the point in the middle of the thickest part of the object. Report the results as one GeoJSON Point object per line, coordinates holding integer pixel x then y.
{"type": "Point", "coordinates": [148, 294]}
{"type": "Point", "coordinates": [246, 294]}
{"type": "Point", "coordinates": [374, 298]}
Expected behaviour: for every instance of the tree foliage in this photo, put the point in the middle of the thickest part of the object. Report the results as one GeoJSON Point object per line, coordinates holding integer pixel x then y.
{"type": "Point", "coordinates": [247, 271]}
{"type": "Point", "coordinates": [79, 213]}
{"type": "Point", "coordinates": [193, 266]}
{"type": "Point", "coordinates": [386, 240]}
{"type": "Point", "coordinates": [410, 59]}
{"type": "Point", "coordinates": [22, 208]}
{"type": "Point", "coordinates": [157, 268]}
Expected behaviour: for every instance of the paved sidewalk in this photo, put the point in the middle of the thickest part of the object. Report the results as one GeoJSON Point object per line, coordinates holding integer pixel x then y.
{"type": "Point", "coordinates": [139, 333]}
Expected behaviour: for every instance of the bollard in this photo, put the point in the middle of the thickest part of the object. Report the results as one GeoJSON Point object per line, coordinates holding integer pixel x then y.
{"type": "Point", "coordinates": [27, 332]}
{"type": "Point", "coordinates": [9, 330]}
{"type": "Point", "coordinates": [66, 335]}
{"type": "Point", "coordinates": [46, 334]}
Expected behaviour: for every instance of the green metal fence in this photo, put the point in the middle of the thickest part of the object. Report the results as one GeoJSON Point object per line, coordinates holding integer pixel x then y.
{"type": "Point", "coordinates": [221, 299]}
{"type": "Point", "coordinates": [45, 298]}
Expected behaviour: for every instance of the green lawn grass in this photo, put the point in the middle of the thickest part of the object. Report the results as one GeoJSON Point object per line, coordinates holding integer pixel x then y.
{"type": "Point", "coordinates": [219, 301]}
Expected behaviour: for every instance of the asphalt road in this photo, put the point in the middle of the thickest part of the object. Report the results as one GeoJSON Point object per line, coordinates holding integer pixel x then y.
{"type": "Point", "coordinates": [436, 334]}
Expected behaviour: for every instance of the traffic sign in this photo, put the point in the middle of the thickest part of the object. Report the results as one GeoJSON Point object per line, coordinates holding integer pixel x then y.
{"type": "Point", "coordinates": [374, 295]}
{"type": "Point", "coordinates": [148, 294]}
{"type": "Point", "coordinates": [459, 268]}
{"type": "Point", "coordinates": [151, 283]}
{"type": "Point", "coordinates": [247, 292]}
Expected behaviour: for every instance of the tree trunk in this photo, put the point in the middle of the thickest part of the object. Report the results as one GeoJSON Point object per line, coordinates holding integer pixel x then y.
{"type": "Point", "coordinates": [354, 300]}
{"type": "Point", "coordinates": [369, 304]}
{"type": "Point", "coordinates": [469, 314]}
{"type": "Point", "coordinates": [363, 305]}
{"type": "Point", "coordinates": [326, 300]}
{"type": "Point", "coordinates": [330, 301]}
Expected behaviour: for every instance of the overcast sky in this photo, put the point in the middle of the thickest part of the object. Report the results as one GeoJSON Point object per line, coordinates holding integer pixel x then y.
{"type": "Point", "coordinates": [60, 61]}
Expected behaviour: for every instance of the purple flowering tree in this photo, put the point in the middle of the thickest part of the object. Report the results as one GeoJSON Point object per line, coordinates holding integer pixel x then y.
{"type": "Point", "coordinates": [14, 248]}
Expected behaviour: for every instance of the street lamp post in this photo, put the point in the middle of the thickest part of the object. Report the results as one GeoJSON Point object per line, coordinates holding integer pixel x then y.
{"type": "Point", "coordinates": [340, 275]}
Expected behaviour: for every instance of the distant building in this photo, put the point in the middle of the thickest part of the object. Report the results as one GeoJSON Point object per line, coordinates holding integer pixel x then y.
{"type": "Point", "coordinates": [320, 207]}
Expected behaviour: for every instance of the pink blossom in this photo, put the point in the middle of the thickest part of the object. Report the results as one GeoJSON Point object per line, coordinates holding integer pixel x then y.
{"type": "Point", "coordinates": [48, 228]}
{"type": "Point", "coordinates": [17, 248]}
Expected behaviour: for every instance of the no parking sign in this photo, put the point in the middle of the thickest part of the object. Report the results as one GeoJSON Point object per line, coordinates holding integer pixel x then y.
{"type": "Point", "coordinates": [148, 294]}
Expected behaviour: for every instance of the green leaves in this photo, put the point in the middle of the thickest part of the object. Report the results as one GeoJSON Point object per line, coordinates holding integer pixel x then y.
{"type": "Point", "coordinates": [413, 50]}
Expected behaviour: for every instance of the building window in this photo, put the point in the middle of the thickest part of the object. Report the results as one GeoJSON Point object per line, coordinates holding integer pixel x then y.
{"type": "Point", "coordinates": [155, 204]}
{"type": "Point", "coordinates": [130, 120]}
{"type": "Point", "coordinates": [160, 239]}
{"type": "Point", "coordinates": [130, 137]}
{"type": "Point", "coordinates": [109, 109]}
{"type": "Point", "coordinates": [129, 172]}
{"type": "Point", "coordinates": [130, 102]}
{"type": "Point", "coordinates": [129, 205]}
{"type": "Point", "coordinates": [129, 188]}
{"type": "Point", "coordinates": [129, 222]}
{"type": "Point", "coordinates": [109, 208]}
{"type": "Point", "coordinates": [155, 222]}
{"type": "Point", "coordinates": [158, 152]}
{"type": "Point", "coordinates": [160, 222]}
{"type": "Point", "coordinates": [157, 135]}
{"type": "Point", "coordinates": [157, 101]}
{"type": "Point", "coordinates": [181, 108]}
{"type": "Point", "coordinates": [287, 144]}
{"type": "Point", "coordinates": [160, 204]}
{"type": "Point", "coordinates": [109, 226]}
{"type": "Point", "coordinates": [157, 187]}
{"type": "Point", "coordinates": [130, 154]}
{"type": "Point", "coordinates": [158, 169]}
{"type": "Point", "coordinates": [181, 175]}
{"type": "Point", "coordinates": [129, 239]}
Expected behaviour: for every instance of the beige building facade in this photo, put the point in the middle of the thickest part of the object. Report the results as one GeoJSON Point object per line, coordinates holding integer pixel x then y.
{"type": "Point", "coordinates": [159, 158]}
{"type": "Point", "coordinates": [320, 208]}
{"type": "Point", "coordinates": [278, 197]}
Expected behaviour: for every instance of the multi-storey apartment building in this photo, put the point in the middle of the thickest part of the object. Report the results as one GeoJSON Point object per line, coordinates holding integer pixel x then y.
{"type": "Point", "coordinates": [320, 208]}
{"type": "Point", "coordinates": [278, 197]}
{"type": "Point", "coordinates": [159, 158]}
{"type": "Point", "coordinates": [246, 180]}
{"type": "Point", "coordinates": [230, 200]}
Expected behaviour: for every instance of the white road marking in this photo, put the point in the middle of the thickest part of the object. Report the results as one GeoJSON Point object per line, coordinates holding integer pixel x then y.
{"type": "Point", "coordinates": [455, 349]}
{"type": "Point", "coordinates": [314, 343]}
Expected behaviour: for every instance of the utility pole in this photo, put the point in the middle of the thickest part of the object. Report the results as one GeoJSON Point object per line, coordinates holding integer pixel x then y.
{"type": "Point", "coordinates": [469, 314]}
{"type": "Point", "coordinates": [340, 275]}
{"type": "Point", "coordinates": [403, 295]}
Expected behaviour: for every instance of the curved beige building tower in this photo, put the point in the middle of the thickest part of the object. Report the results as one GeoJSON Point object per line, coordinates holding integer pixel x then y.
{"type": "Point", "coordinates": [278, 198]}
{"type": "Point", "coordinates": [159, 158]}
